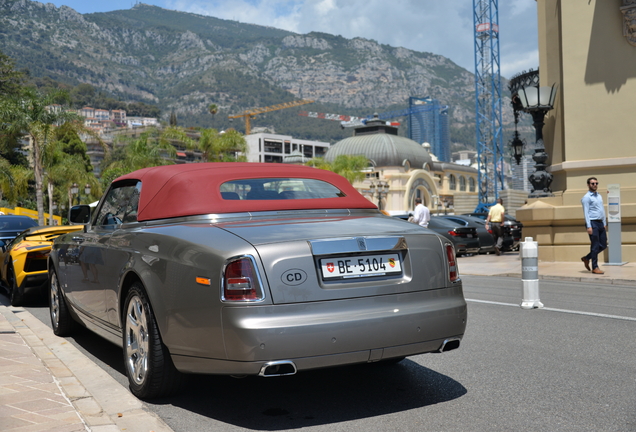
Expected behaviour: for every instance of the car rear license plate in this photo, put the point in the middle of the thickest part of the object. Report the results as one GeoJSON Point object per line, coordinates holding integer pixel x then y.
{"type": "Point", "coordinates": [363, 266]}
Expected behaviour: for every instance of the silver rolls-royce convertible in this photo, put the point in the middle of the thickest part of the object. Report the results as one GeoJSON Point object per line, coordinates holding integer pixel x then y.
{"type": "Point", "coordinates": [251, 269]}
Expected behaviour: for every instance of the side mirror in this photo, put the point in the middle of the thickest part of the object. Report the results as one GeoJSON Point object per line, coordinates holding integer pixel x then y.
{"type": "Point", "coordinates": [80, 214]}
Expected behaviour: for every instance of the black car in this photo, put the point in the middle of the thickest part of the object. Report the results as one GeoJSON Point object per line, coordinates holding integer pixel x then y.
{"type": "Point", "coordinates": [11, 226]}
{"type": "Point", "coordinates": [486, 238]}
{"type": "Point", "coordinates": [512, 228]}
{"type": "Point", "coordinates": [464, 238]}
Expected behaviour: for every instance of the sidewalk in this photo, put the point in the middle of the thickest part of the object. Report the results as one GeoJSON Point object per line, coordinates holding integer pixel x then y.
{"type": "Point", "coordinates": [509, 264]}
{"type": "Point", "coordinates": [46, 384]}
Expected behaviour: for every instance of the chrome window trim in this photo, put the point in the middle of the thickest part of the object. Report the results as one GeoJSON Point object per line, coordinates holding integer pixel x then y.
{"type": "Point", "coordinates": [224, 217]}
{"type": "Point", "coordinates": [258, 277]}
{"type": "Point", "coordinates": [351, 245]}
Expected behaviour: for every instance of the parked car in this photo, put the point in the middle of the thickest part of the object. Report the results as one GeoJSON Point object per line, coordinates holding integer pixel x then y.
{"type": "Point", "coordinates": [12, 225]}
{"type": "Point", "coordinates": [512, 228]}
{"type": "Point", "coordinates": [486, 238]}
{"type": "Point", "coordinates": [24, 260]}
{"type": "Point", "coordinates": [464, 238]}
{"type": "Point", "coordinates": [251, 269]}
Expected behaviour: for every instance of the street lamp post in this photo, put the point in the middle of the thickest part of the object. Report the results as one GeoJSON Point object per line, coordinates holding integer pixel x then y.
{"type": "Point", "coordinates": [537, 101]}
{"type": "Point", "coordinates": [382, 189]}
{"type": "Point", "coordinates": [87, 190]}
{"type": "Point", "coordinates": [75, 191]}
{"type": "Point", "coordinates": [517, 143]}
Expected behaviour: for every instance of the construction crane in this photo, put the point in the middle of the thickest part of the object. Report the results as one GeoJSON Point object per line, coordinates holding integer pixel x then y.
{"type": "Point", "coordinates": [248, 114]}
{"type": "Point", "coordinates": [488, 102]}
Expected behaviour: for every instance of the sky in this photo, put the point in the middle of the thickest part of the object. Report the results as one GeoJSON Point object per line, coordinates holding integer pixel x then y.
{"type": "Point", "coordinates": [442, 27]}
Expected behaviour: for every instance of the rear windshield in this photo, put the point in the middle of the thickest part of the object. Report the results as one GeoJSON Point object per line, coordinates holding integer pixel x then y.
{"type": "Point", "coordinates": [278, 189]}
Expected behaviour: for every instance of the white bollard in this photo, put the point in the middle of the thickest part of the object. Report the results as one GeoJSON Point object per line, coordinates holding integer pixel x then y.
{"type": "Point", "coordinates": [529, 251]}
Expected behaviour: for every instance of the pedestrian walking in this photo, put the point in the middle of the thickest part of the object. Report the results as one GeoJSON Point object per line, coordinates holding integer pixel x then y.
{"type": "Point", "coordinates": [595, 223]}
{"type": "Point", "coordinates": [422, 214]}
{"type": "Point", "coordinates": [495, 222]}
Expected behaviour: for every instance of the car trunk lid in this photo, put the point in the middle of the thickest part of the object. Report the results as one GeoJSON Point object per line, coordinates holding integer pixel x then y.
{"type": "Point", "coordinates": [329, 258]}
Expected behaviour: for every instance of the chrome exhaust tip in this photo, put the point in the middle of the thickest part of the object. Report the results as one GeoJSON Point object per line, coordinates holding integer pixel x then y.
{"type": "Point", "coordinates": [278, 368]}
{"type": "Point", "coordinates": [449, 345]}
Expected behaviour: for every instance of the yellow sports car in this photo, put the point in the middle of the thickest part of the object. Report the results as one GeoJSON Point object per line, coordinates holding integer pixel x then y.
{"type": "Point", "coordinates": [24, 260]}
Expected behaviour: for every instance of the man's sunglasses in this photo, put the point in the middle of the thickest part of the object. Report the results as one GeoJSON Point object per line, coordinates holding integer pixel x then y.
{"type": "Point", "coordinates": [593, 184]}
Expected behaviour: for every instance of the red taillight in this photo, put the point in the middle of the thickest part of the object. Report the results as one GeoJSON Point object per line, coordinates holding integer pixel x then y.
{"type": "Point", "coordinates": [490, 231]}
{"type": "Point", "coordinates": [453, 274]}
{"type": "Point", "coordinates": [454, 233]}
{"type": "Point", "coordinates": [240, 282]}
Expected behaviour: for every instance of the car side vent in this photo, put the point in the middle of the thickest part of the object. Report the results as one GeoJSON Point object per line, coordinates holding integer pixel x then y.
{"type": "Point", "coordinates": [453, 274]}
{"type": "Point", "coordinates": [240, 281]}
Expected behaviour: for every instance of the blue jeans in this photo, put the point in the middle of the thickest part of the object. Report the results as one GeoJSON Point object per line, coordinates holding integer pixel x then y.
{"type": "Point", "coordinates": [598, 238]}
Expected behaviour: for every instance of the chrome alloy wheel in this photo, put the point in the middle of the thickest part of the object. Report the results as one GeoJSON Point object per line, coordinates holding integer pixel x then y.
{"type": "Point", "coordinates": [54, 301]}
{"type": "Point", "coordinates": [136, 340]}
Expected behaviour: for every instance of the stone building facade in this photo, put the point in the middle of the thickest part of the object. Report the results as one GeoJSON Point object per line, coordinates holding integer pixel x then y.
{"type": "Point", "coordinates": [409, 170]}
{"type": "Point", "coordinates": [587, 49]}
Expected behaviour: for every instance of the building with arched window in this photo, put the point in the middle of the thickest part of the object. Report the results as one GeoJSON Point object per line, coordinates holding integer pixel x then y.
{"type": "Point", "coordinates": [409, 170]}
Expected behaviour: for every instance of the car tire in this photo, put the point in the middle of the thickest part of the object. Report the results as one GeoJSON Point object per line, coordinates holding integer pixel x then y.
{"type": "Point", "coordinates": [62, 321]}
{"type": "Point", "coordinates": [149, 368]}
{"type": "Point", "coordinates": [16, 294]}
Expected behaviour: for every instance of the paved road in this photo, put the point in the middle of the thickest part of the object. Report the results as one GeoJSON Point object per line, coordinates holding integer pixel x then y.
{"type": "Point", "coordinates": [568, 367]}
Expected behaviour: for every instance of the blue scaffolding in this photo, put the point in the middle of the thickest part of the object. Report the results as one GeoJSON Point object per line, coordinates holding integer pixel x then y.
{"type": "Point", "coordinates": [488, 120]}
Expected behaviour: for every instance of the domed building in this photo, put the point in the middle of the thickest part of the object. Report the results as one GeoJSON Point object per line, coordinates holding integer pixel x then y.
{"type": "Point", "coordinates": [401, 170]}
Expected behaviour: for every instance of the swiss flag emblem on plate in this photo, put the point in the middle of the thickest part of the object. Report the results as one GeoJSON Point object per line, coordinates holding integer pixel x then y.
{"type": "Point", "coordinates": [330, 267]}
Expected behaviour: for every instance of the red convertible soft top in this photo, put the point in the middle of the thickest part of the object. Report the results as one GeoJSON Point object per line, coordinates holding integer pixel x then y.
{"type": "Point", "coordinates": [194, 189]}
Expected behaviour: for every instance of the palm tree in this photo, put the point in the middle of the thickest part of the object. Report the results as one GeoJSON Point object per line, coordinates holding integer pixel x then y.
{"type": "Point", "coordinates": [150, 149]}
{"type": "Point", "coordinates": [228, 146]}
{"type": "Point", "coordinates": [348, 166]}
{"type": "Point", "coordinates": [28, 113]}
{"type": "Point", "coordinates": [14, 181]}
{"type": "Point", "coordinates": [64, 169]}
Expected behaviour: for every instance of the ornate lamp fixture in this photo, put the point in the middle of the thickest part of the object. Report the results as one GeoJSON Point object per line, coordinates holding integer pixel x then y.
{"type": "Point", "coordinates": [538, 101]}
{"type": "Point", "coordinates": [382, 190]}
{"type": "Point", "coordinates": [517, 143]}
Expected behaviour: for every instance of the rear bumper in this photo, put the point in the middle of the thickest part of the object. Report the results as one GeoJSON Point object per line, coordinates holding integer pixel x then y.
{"type": "Point", "coordinates": [331, 333]}
{"type": "Point", "coordinates": [463, 249]}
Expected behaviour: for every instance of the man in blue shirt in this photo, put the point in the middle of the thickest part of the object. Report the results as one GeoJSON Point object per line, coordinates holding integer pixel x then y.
{"type": "Point", "coordinates": [595, 223]}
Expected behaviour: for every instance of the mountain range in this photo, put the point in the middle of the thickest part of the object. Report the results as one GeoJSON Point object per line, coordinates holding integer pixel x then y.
{"type": "Point", "coordinates": [183, 62]}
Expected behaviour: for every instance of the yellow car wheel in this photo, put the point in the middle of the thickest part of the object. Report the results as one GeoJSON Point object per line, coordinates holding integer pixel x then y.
{"type": "Point", "coordinates": [16, 295]}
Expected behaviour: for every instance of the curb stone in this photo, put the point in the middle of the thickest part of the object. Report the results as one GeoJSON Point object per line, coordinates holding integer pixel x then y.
{"type": "Point", "coordinates": [100, 401]}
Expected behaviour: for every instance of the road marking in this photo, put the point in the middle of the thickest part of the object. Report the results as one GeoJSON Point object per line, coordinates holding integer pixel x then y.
{"type": "Point", "coordinates": [618, 317]}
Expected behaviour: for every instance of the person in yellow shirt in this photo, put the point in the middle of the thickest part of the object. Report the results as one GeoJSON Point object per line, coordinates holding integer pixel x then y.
{"type": "Point", "coordinates": [495, 221]}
